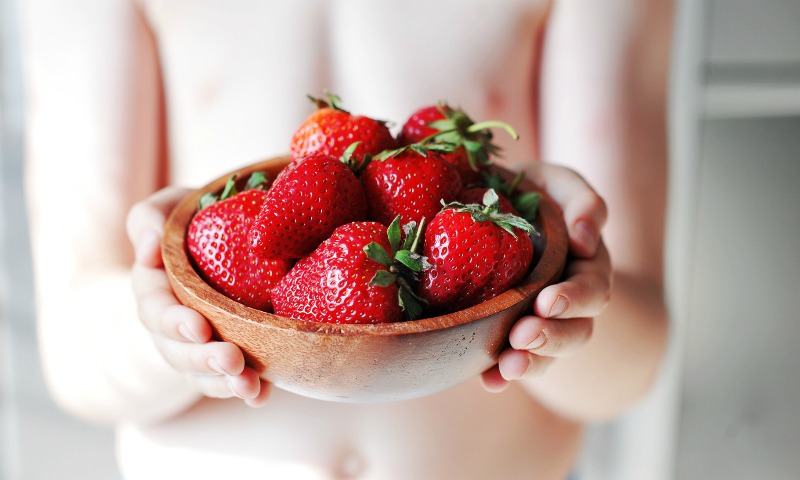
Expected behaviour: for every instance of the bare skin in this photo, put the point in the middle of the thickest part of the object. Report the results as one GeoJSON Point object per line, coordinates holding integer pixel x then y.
{"type": "Point", "coordinates": [232, 80]}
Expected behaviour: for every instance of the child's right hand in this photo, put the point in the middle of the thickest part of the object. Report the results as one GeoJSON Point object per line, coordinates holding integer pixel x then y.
{"type": "Point", "coordinates": [182, 335]}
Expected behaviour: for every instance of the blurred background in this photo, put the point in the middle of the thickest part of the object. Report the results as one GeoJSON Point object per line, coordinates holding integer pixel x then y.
{"type": "Point", "coordinates": [726, 405]}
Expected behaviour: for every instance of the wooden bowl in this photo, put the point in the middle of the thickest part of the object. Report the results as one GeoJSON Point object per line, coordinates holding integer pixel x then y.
{"type": "Point", "coordinates": [363, 363]}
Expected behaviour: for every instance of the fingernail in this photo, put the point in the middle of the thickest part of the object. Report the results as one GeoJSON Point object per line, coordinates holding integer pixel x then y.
{"type": "Point", "coordinates": [558, 307]}
{"type": "Point", "coordinates": [537, 342]}
{"type": "Point", "coordinates": [232, 387]}
{"type": "Point", "coordinates": [186, 332]}
{"type": "Point", "coordinates": [214, 365]}
{"type": "Point", "coordinates": [586, 235]}
{"type": "Point", "coordinates": [147, 241]}
{"type": "Point", "coordinates": [527, 366]}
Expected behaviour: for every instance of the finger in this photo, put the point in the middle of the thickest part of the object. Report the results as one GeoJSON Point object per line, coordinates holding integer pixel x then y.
{"type": "Point", "coordinates": [264, 391]}
{"type": "Point", "coordinates": [552, 338]}
{"type": "Point", "coordinates": [585, 212]}
{"type": "Point", "coordinates": [212, 358]}
{"type": "Point", "coordinates": [517, 364]}
{"type": "Point", "coordinates": [493, 381]}
{"type": "Point", "coordinates": [585, 292]}
{"type": "Point", "coordinates": [147, 249]}
{"type": "Point", "coordinates": [246, 386]}
{"type": "Point", "coordinates": [161, 313]}
{"type": "Point", "coordinates": [145, 224]}
{"type": "Point", "coordinates": [152, 212]}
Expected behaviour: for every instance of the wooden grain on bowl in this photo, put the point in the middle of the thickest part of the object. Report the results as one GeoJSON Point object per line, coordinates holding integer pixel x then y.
{"type": "Point", "coordinates": [363, 363]}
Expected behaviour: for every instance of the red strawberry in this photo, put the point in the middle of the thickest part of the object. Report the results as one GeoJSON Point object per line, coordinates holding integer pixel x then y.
{"type": "Point", "coordinates": [352, 278]}
{"type": "Point", "coordinates": [310, 198]}
{"type": "Point", "coordinates": [331, 130]}
{"type": "Point", "coordinates": [409, 182]}
{"type": "Point", "coordinates": [217, 242]}
{"type": "Point", "coordinates": [476, 253]}
{"type": "Point", "coordinates": [470, 144]}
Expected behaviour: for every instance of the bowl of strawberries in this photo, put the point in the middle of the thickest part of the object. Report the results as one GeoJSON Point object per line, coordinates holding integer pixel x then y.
{"type": "Point", "coordinates": [376, 271]}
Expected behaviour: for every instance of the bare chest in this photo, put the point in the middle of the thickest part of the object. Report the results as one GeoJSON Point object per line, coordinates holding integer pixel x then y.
{"type": "Point", "coordinates": [236, 73]}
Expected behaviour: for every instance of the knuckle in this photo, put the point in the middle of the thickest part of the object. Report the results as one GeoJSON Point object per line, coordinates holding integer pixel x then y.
{"type": "Point", "coordinates": [598, 205]}
{"type": "Point", "coordinates": [199, 357]}
{"type": "Point", "coordinates": [538, 365]}
{"type": "Point", "coordinates": [153, 310]}
{"type": "Point", "coordinates": [162, 346]}
{"type": "Point", "coordinates": [136, 215]}
{"type": "Point", "coordinates": [553, 340]}
{"type": "Point", "coordinates": [211, 386]}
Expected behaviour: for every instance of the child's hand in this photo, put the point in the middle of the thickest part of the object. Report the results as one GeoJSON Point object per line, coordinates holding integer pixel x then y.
{"type": "Point", "coordinates": [562, 319]}
{"type": "Point", "coordinates": [182, 335]}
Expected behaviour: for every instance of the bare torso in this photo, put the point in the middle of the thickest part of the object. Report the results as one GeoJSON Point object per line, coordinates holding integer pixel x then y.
{"type": "Point", "coordinates": [462, 433]}
{"type": "Point", "coordinates": [235, 77]}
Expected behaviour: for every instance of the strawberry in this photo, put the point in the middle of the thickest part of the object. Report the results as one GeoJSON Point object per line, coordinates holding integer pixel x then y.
{"type": "Point", "coordinates": [331, 130]}
{"type": "Point", "coordinates": [410, 182]}
{"type": "Point", "coordinates": [361, 274]}
{"type": "Point", "coordinates": [470, 144]}
{"type": "Point", "coordinates": [476, 253]}
{"type": "Point", "coordinates": [310, 198]}
{"type": "Point", "coordinates": [217, 243]}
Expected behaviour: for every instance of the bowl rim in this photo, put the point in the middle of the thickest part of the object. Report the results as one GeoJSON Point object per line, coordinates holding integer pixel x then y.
{"type": "Point", "coordinates": [193, 291]}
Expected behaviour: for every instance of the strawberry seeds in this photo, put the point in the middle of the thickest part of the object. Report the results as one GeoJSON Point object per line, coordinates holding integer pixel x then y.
{"type": "Point", "coordinates": [361, 227]}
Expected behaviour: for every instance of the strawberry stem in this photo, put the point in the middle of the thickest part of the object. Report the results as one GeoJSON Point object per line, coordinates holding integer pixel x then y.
{"type": "Point", "coordinates": [477, 127]}
{"type": "Point", "coordinates": [330, 101]}
{"type": "Point", "coordinates": [417, 236]}
{"type": "Point", "coordinates": [458, 130]}
{"type": "Point", "coordinates": [490, 212]}
{"type": "Point", "coordinates": [526, 203]}
{"type": "Point", "coordinates": [353, 163]}
{"type": "Point", "coordinates": [403, 265]}
{"type": "Point", "coordinates": [257, 180]}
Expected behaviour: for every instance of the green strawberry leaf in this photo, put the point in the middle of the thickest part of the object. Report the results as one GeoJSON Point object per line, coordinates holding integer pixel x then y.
{"type": "Point", "coordinates": [347, 156]}
{"type": "Point", "coordinates": [230, 188]}
{"type": "Point", "coordinates": [383, 278]}
{"type": "Point", "coordinates": [491, 213]}
{"type": "Point", "coordinates": [394, 233]}
{"type": "Point", "coordinates": [330, 101]}
{"type": "Point", "coordinates": [473, 147]}
{"type": "Point", "coordinates": [443, 125]}
{"type": "Point", "coordinates": [410, 260]}
{"type": "Point", "coordinates": [495, 181]}
{"type": "Point", "coordinates": [410, 303]}
{"type": "Point", "coordinates": [527, 204]}
{"type": "Point", "coordinates": [418, 148]}
{"type": "Point", "coordinates": [210, 198]}
{"type": "Point", "coordinates": [355, 165]}
{"type": "Point", "coordinates": [405, 265]}
{"type": "Point", "coordinates": [490, 198]}
{"type": "Point", "coordinates": [257, 181]}
{"type": "Point", "coordinates": [376, 252]}
{"type": "Point", "coordinates": [206, 200]}
{"type": "Point", "coordinates": [410, 230]}
{"type": "Point", "coordinates": [508, 222]}
{"type": "Point", "coordinates": [417, 236]}
{"type": "Point", "coordinates": [442, 147]}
